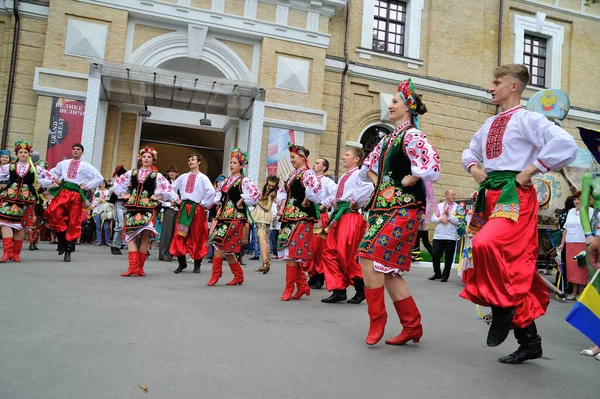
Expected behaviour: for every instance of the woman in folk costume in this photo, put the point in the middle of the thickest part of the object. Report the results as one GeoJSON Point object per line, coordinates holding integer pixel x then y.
{"type": "Point", "coordinates": [142, 189]}
{"type": "Point", "coordinates": [298, 214]}
{"type": "Point", "coordinates": [234, 195]}
{"type": "Point", "coordinates": [19, 194]}
{"type": "Point", "coordinates": [402, 167]}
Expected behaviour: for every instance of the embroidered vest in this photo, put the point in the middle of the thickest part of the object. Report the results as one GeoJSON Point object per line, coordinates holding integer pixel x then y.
{"type": "Point", "coordinates": [294, 210]}
{"type": "Point", "coordinates": [141, 191]}
{"type": "Point", "coordinates": [394, 165]}
{"type": "Point", "coordinates": [230, 196]}
{"type": "Point", "coordinates": [19, 188]}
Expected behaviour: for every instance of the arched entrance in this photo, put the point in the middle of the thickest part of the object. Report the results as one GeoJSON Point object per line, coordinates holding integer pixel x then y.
{"type": "Point", "coordinates": [372, 135]}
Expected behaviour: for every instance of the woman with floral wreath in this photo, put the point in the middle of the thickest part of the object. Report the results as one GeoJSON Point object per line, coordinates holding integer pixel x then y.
{"type": "Point", "coordinates": [298, 214]}
{"type": "Point", "coordinates": [234, 195]}
{"type": "Point", "coordinates": [17, 197]}
{"type": "Point", "coordinates": [398, 166]}
{"type": "Point", "coordinates": [142, 189]}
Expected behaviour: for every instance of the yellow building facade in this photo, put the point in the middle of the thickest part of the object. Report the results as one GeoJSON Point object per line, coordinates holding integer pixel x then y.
{"type": "Point", "coordinates": [206, 75]}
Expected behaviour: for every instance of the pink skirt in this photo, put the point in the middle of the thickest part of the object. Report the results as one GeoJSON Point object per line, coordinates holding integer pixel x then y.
{"type": "Point", "coordinates": [576, 274]}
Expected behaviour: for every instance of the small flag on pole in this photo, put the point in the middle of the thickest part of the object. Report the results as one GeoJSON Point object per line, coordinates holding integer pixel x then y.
{"type": "Point", "coordinates": [585, 315]}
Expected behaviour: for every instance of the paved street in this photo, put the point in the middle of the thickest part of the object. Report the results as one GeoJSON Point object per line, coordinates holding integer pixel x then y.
{"type": "Point", "coordinates": [79, 330]}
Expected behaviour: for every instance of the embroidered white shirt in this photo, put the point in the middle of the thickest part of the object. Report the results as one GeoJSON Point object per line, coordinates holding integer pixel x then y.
{"type": "Point", "coordinates": [195, 187]}
{"type": "Point", "coordinates": [351, 188]}
{"type": "Point", "coordinates": [78, 172]}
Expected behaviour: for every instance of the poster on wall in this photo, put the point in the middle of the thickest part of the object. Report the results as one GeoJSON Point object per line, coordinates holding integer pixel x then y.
{"type": "Point", "coordinates": [278, 159]}
{"type": "Point", "coordinates": [66, 125]}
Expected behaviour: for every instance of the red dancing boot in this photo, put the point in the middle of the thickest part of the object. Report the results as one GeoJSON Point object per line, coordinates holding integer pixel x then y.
{"type": "Point", "coordinates": [217, 271]}
{"type": "Point", "coordinates": [410, 318]}
{"type": "Point", "coordinates": [142, 258]}
{"type": "Point", "coordinates": [290, 282]}
{"type": "Point", "coordinates": [133, 264]}
{"type": "Point", "coordinates": [17, 245]}
{"type": "Point", "coordinates": [302, 287]}
{"type": "Point", "coordinates": [238, 274]}
{"type": "Point", "coordinates": [377, 314]}
{"type": "Point", "coordinates": [7, 244]}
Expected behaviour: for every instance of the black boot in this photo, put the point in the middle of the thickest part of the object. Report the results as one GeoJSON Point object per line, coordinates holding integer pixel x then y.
{"type": "Point", "coordinates": [530, 346]}
{"type": "Point", "coordinates": [35, 247]}
{"type": "Point", "coordinates": [359, 285]}
{"type": "Point", "coordinates": [62, 242]}
{"type": "Point", "coordinates": [31, 247]}
{"type": "Point", "coordinates": [112, 250]}
{"type": "Point", "coordinates": [118, 251]}
{"type": "Point", "coordinates": [182, 264]}
{"type": "Point", "coordinates": [337, 296]}
{"type": "Point", "coordinates": [197, 264]}
{"type": "Point", "coordinates": [501, 320]}
{"type": "Point", "coordinates": [240, 258]}
{"type": "Point", "coordinates": [317, 281]}
{"type": "Point", "coordinates": [69, 247]}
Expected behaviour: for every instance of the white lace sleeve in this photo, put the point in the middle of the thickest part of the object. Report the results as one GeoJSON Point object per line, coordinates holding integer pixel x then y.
{"type": "Point", "coordinates": [312, 185]}
{"type": "Point", "coordinates": [250, 192]}
{"type": "Point", "coordinates": [163, 187]}
{"type": "Point", "coordinates": [121, 185]}
{"type": "Point", "coordinates": [424, 159]}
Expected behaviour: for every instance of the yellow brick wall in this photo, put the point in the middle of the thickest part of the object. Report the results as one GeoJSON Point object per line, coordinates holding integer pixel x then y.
{"type": "Point", "coordinates": [143, 33]}
{"type": "Point", "coordinates": [265, 12]}
{"type": "Point", "coordinates": [323, 24]}
{"type": "Point", "coordinates": [244, 50]}
{"type": "Point", "coordinates": [234, 7]}
{"type": "Point", "coordinates": [270, 50]}
{"type": "Point", "coordinates": [59, 14]}
{"type": "Point", "coordinates": [62, 82]}
{"type": "Point", "coordinates": [30, 54]}
{"type": "Point", "coordinates": [112, 119]}
{"type": "Point", "coordinates": [126, 139]}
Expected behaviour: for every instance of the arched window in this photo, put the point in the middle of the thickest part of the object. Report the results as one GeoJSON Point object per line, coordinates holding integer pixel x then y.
{"type": "Point", "coordinates": [372, 136]}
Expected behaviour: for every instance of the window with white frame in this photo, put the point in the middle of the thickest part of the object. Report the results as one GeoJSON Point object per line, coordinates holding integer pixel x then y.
{"type": "Point", "coordinates": [538, 45]}
{"type": "Point", "coordinates": [393, 28]}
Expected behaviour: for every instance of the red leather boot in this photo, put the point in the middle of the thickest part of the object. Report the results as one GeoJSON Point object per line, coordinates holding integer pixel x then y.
{"type": "Point", "coordinates": [238, 274]}
{"type": "Point", "coordinates": [302, 287]}
{"type": "Point", "coordinates": [217, 271]}
{"type": "Point", "coordinates": [16, 255]}
{"type": "Point", "coordinates": [410, 318]}
{"type": "Point", "coordinates": [290, 281]}
{"type": "Point", "coordinates": [377, 314]}
{"type": "Point", "coordinates": [7, 244]}
{"type": "Point", "coordinates": [142, 258]}
{"type": "Point", "coordinates": [133, 264]}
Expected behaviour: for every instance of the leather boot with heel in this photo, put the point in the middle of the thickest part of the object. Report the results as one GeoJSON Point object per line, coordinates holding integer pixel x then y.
{"type": "Point", "coordinates": [410, 318]}
{"type": "Point", "coordinates": [501, 322]}
{"type": "Point", "coordinates": [290, 281]}
{"type": "Point", "coordinates": [7, 246]}
{"type": "Point", "coordinates": [17, 246]}
{"type": "Point", "coordinates": [238, 274]}
{"type": "Point", "coordinates": [217, 271]}
{"type": "Point", "coordinates": [133, 261]}
{"type": "Point", "coordinates": [182, 264]}
{"type": "Point", "coordinates": [377, 314]}
{"type": "Point", "coordinates": [530, 346]}
{"type": "Point", "coordinates": [302, 287]}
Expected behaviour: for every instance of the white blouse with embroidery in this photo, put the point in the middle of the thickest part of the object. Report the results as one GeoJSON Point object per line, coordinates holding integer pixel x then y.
{"type": "Point", "coordinates": [517, 138]}
{"type": "Point", "coordinates": [310, 182]}
{"type": "Point", "coordinates": [78, 172]}
{"type": "Point", "coordinates": [328, 189]}
{"type": "Point", "coordinates": [195, 187]}
{"type": "Point", "coordinates": [351, 188]}
{"type": "Point", "coordinates": [45, 178]}
{"type": "Point", "coordinates": [250, 192]}
{"type": "Point", "coordinates": [163, 187]}
{"type": "Point", "coordinates": [424, 159]}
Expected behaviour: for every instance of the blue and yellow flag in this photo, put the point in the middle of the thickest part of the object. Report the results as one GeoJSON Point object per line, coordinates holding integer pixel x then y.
{"type": "Point", "coordinates": [585, 315]}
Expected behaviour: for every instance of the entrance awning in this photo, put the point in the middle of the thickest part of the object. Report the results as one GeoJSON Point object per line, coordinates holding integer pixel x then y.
{"type": "Point", "coordinates": [133, 84]}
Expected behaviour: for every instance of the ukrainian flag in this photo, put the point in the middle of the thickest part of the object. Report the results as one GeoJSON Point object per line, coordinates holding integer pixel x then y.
{"type": "Point", "coordinates": [585, 315]}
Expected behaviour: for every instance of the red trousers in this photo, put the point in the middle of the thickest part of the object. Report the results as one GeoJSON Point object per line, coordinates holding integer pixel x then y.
{"type": "Point", "coordinates": [504, 259]}
{"type": "Point", "coordinates": [315, 265]}
{"type": "Point", "coordinates": [195, 242]}
{"type": "Point", "coordinates": [340, 263]}
{"type": "Point", "coordinates": [64, 214]}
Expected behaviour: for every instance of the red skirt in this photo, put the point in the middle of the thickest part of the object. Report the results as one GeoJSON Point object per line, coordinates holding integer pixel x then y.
{"type": "Point", "coordinates": [576, 274]}
{"type": "Point", "coordinates": [505, 254]}
{"type": "Point", "coordinates": [227, 235]}
{"type": "Point", "coordinates": [195, 241]}
{"type": "Point", "coordinates": [390, 238]}
{"type": "Point", "coordinates": [295, 240]}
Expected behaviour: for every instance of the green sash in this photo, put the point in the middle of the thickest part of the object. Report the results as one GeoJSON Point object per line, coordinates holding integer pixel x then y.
{"type": "Point", "coordinates": [507, 205]}
{"type": "Point", "coordinates": [184, 221]}
{"type": "Point", "coordinates": [342, 208]}
{"type": "Point", "coordinates": [54, 191]}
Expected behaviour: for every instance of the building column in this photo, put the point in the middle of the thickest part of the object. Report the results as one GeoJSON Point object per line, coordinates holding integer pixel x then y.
{"type": "Point", "coordinates": [90, 119]}
{"type": "Point", "coordinates": [243, 134]}
{"type": "Point", "coordinates": [98, 152]}
{"type": "Point", "coordinates": [228, 145]}
{"type": "Point", "coordinates": [255, 143]}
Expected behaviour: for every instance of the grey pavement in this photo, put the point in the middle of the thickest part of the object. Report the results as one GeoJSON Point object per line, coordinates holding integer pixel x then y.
{"type": "Point", "coordinates": [79, 330]}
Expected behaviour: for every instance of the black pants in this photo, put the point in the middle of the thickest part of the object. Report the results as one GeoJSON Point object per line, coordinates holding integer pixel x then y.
{"type": "Point", "coordinates": [446, 248]}
{"type": "Point", "coordinates": [166, 233]}
{"type": "Point", "coordinates": [424, 235]}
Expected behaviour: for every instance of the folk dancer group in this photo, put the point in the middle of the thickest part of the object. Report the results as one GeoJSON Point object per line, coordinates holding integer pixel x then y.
{"type": "Point", "coordinates": [359, 232]}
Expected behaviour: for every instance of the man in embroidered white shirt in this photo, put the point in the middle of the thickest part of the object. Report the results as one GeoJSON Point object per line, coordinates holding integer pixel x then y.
{"type": "Point", "coordinates": [196, 194]}
{"type": "Point", "coordinates": [506, 152]}
{"type": "Point", "coordinates": [444, 237]}
{"type": "Point", "coordinates": [64, 213]}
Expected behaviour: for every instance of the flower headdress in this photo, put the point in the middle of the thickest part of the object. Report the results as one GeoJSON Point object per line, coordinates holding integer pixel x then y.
{"type": "Point", "coordinates": [299, 150]}
{"type": "Point", "coordinates": [148, 150]}
{"type": "Point", "coordinates": [407, 92]}
{"type": "Point", "coordinates": [22, 144]}
{"type": "Point", "coordinates": [241, 156]}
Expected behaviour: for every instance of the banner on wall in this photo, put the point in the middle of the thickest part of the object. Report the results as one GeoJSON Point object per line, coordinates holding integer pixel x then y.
{"type": "Point", "coordinates": [66, 126]}
{"type": "Point", "coordinates": [278, 159]}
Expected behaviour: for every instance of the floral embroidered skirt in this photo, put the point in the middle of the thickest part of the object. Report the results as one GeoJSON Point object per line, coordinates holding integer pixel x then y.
{"type": "Point", "coordinates": [138, 220]}
{"type": "Point", "coordinates": [295, 240]}
{"type": "Point", "coordinates": [13, 214]}
{"type": "Point", "coordinates": [389, 239]}
{"type": "Point", "coordinates": [227, 235]}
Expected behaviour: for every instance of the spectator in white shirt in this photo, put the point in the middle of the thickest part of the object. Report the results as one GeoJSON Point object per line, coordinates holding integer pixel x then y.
{"type": "Point", "coordinates": [444, 237]}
